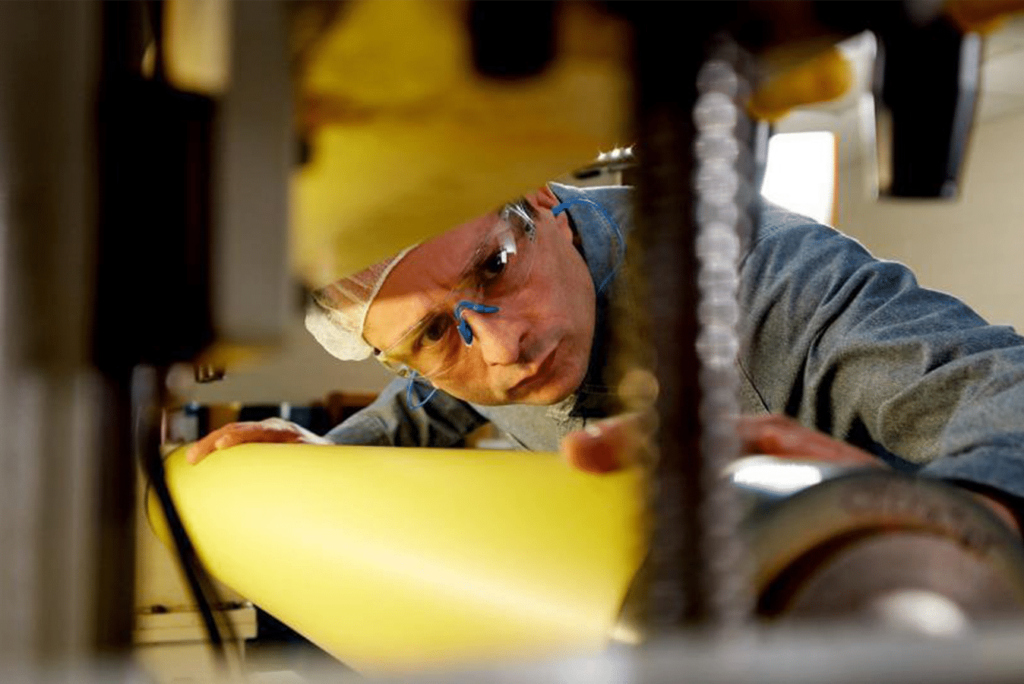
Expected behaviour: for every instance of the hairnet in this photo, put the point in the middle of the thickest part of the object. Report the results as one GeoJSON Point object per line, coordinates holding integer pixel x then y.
{"type": "Point", "coordinates": [337, 312]}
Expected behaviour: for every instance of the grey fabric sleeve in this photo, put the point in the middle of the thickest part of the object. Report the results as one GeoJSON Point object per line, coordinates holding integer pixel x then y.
{"type": "Point", "coordinates": [854, 347]}
{"type": "Point", "coordinates": [444, 421]}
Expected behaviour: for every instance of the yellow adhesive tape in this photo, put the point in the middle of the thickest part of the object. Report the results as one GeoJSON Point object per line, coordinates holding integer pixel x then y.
{"type": "Point", "coordinates": [823, 78]}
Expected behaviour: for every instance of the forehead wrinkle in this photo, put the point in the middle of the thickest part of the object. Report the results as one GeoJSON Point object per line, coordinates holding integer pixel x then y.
{"type": "Point", "coordinates": [441, 262]}
{"type": "Point", "coordinates": [423, 279]}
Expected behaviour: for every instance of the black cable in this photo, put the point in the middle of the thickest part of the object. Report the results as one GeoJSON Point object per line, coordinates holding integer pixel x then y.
{"type": "Point", "coordinates": [147, 406]}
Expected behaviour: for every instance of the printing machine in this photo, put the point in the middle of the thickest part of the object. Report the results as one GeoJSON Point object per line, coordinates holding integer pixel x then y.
{"type": "Point", "coordinates": [172, 172]}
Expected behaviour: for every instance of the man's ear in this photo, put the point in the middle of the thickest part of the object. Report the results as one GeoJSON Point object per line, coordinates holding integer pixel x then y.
{"type": "Point", "coordinates": [543, 198]}
{"type": "Point", "coordinates": [544, 201]}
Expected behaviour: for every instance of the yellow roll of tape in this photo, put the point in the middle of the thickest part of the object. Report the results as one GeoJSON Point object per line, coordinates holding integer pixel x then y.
{"type": "Point", "coordinates": [400, 559]}
{"type": "Point", "coordinates": [825, 77]}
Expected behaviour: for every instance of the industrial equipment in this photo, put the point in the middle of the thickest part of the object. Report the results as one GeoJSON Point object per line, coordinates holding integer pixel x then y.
{"type": "Point", "coordinates": [155, 155]}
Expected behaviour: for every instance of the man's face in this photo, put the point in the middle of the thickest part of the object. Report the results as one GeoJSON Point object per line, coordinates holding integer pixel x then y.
{"type": "Point", "coordinates": [534, 349]}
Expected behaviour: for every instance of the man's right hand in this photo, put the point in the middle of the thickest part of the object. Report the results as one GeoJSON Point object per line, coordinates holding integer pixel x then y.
{"type": "Point", "coordinates": [610, 444]}
{"type": "Point", "coordinates": [271, 430]}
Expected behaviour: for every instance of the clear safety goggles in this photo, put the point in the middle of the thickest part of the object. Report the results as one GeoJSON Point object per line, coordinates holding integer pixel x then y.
{"type": "Point", "coordinates": [494, 277]}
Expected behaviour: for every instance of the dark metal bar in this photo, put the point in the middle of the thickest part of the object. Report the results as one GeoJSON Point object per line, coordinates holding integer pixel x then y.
{"type": "Point", "coordinates": [692, 579]}
{"type": "Point", "coordinates": [665, 212]}
{"type": "Point", "coordinates": [152, 298]}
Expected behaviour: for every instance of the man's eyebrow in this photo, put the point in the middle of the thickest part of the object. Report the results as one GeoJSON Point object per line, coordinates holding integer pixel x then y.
{"type": "Point", "coordinates": [480, 253]}
{"type": "Point", "coordinates": [480, 256]}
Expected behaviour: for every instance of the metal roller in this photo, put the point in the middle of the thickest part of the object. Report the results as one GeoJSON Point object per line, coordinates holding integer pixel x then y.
{"type": "Point", "coordinates": [863, 547]}
{"type": "Point", "coordinates": [888, 549]}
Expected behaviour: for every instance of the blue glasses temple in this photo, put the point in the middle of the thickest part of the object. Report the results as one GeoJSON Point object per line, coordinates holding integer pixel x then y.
{"type": "Point", "coordinates": [409, 401]}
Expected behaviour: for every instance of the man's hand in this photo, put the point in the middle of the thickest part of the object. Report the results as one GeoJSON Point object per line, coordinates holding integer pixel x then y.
{"type": "Point", "coordinates": [605, 446]}
{"type": "Point", "coordinates": [271, 430]}
{"type": "Point", "coordinates": [611, 444]}
{"type": "Point", "coordinates": [775, 435]}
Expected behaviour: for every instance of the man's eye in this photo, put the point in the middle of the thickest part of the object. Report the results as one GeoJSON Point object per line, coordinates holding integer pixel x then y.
{"type": "Point", "coordinates": [495, 264]}
{"type": "Point", "coordinates": [435, 330]}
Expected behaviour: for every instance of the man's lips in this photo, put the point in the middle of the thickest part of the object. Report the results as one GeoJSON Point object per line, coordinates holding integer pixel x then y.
{"type": "Point", "coordinates": [541, 372]}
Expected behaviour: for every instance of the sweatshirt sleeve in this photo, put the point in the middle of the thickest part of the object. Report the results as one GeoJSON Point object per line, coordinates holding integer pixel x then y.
{"type": "Point", "coordinates": [444, 421]}
{"type": "Point", "coordinates": [853, 346]}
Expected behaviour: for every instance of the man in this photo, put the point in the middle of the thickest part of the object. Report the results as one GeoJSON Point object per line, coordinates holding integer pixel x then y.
{"type": "Point", "coordinates": [505, 317]}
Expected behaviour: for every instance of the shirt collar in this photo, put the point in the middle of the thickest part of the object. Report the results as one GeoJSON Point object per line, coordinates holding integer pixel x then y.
{"type": "Point", "coordinates": [602, 253]}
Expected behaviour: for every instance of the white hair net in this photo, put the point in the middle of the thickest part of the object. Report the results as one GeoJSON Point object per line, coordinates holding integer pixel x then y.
{"type": "Point", "coordinates": [337, 313]}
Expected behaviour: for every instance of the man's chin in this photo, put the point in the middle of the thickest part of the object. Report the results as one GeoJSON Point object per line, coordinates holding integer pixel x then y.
{"type": "Point", "coordinates": [540, 397]}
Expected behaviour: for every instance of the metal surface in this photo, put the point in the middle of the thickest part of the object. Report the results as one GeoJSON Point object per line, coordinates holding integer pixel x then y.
{"type": "Point", "coordinates": [724, 190]}
{"type": "Point", "coordinates": [49, 455]}
{"type": "Point", "coordinates": [863, 580]}
{"type": "Point", "coordinates": [840, 655]}
{"type": "Point", "coordinates": [690, 130]}
{"type": "Point", "coordinates": [837, 551]}
{"type": "Point", "coordinates": [154, 309]}
{"type": "Point", "coordinates": [256, 152]}
{"type": "Point", "coordinates": [665, 231]}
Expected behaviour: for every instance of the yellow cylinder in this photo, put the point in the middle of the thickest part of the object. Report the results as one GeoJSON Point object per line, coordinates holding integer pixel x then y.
{"type": "Point", "coordinates": [401, 559]}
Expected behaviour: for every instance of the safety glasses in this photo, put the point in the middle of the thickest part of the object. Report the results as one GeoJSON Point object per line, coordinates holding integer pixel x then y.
{"type": "Point", "coordinates": [494, 277]}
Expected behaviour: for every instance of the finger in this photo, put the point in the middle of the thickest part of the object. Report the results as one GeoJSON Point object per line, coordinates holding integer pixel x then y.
{"type": "Point", "coordinates": [602, 447]}
{"type": "Point", "coordinates": [208, 444]}
{"type": "Point", "coordinates": [824, 448]}
{"type": "Point", "coordinates": [256, 434]}
{"type": "Point", "coordinates": [201, 449]}
{"type": "Point", "coordinates": [781, 436]}
{"type": "Point", "coordinates": [589, 453]}
{"type": "Point", "coordinates": [233, 434]}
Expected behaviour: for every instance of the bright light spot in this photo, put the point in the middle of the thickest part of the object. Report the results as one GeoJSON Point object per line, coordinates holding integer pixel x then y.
{"type": "Point", "coordinates": [775, 476]}
{"type": "Point", "coordinates": [800, 174]}
{"type": "Point", "coordinates": [920, 612]}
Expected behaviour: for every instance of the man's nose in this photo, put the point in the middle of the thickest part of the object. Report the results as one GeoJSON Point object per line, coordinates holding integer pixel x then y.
{"type": "Point", "coordinates": [499, 336]}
